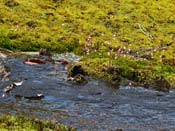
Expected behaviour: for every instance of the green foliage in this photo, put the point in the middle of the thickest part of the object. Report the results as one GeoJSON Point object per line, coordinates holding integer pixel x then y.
{"type": "Point", "coordinates": [20, 123]}
{"type": "Point", "coordinates": [100, 30]}
{"type": "Point", "coordinates": [5, 42]}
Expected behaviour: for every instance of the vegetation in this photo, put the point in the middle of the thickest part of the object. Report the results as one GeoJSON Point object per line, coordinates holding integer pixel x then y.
{"type": "Point", "coordinates": [136, 36]}
{"type": "Point", "coordinates": [20, 123]}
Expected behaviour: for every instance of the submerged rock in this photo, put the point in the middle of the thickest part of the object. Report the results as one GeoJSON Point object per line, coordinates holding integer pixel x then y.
{"type": "Point", "coordinates": [10, 87]}
{"type": "Point", "coordinates": [45, 55]}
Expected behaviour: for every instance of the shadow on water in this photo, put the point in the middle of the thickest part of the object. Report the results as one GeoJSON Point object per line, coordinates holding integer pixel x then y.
{"type": "Point", "coordinates": [87, 107]}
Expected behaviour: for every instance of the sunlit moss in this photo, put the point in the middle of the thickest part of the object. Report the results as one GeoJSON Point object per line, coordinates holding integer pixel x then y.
{"type": "Point", "coordinates": [20, 123]}
{"type": "Point", "coordinates": [143, 28]}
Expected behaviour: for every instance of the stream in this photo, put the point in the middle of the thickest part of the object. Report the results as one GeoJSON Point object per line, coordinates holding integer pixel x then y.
{"type": "Point", "coordinates": [88, 107]}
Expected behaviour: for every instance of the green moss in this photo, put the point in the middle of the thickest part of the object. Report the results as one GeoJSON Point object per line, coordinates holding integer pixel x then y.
{"type": "Point", "coordinates": [16, 123]}
{"type": "Point", "coordinates": [107, 33]}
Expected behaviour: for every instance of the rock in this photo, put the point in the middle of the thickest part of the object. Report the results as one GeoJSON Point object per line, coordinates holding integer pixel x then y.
{"type": "Point", "coordinates": [76, 70]}
{"type": "Point", "coordinates": [34, 97]}
{"type": "Point", "coordinates": [161, 84]}
{"type": "Point", "coordinates": [45, 52]}
{"type": "Point", "coordinates": [9, 88]}
{"type": "Point", "coordinates": [77, 75]}
{"type": "Point", "coordinates": [45, 55]}
{"type": "Point", "coordinates": [78, 79]}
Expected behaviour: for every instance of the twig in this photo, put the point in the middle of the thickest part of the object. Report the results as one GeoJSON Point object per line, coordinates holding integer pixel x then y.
{"type": "Point", "coordinates": [144, 31]}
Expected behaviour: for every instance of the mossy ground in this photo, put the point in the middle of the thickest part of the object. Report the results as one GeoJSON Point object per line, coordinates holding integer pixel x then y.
{"type": "Point", "coordinates": [20, 123]}
{"type": "Point", "coordinates": [136, 35]}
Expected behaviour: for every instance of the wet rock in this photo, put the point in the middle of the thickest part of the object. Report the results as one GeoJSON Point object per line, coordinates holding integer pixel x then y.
{"type": "Point", "coordinates": [34, 97]}
{"type": "Point", "coordinates": [77, 69]}
{"type": "Point", "coordinates": [10, 87]}
{"type": "Point", "coordinates": [78, 79]}
{"type": "Point", "coordinates": [161, 84]}
{"type": "Point", "coordinates": [77, 75]}
{"type": "Point", "coordinates": [45, 55]}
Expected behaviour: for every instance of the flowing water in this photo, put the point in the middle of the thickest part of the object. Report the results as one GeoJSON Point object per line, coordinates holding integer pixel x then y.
{"type": "Point", "coordinates": [89, 107]}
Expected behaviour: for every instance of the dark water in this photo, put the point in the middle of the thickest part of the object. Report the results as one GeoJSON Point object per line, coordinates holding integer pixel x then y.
{"type": "Point", "coordinates": [90, 107]}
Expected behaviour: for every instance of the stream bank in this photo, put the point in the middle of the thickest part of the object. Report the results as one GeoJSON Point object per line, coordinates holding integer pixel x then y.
{"type": "Point", "coordinates": [91, 106]}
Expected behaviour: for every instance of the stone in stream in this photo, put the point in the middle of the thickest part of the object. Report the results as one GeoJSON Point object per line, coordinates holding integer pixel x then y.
{"type": "Point", "coordinates": [45, 55]}
{"type": "Point", "coordinates": [77, 74]}
{"type": "Point", "coordinates": [33, 97]}
{"type": "Point", "coordinates": [79, 79]}
{"type": "Point", "coordinates": [10, 87]}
